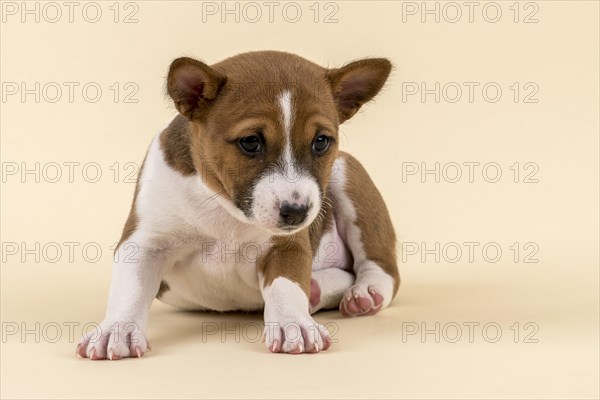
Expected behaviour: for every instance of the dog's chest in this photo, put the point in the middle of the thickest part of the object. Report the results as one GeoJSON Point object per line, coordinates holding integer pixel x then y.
{"type": "Point", "coordinates": [211, 278]}
{"type": "Point", "coordinates": [213, 256]}
{"type": "Point", "coordinates": [218, 270]}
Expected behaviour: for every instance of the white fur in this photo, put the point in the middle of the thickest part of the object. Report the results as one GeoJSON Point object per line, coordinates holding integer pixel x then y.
{"type": "Point", "coordinates": [333, 283]}
{"type": "Point", "coordinates": [285, 103]}
{"type": "Point", "coordinates": [332, 251]}
{"type": "Point", "coordinates": [288, 324]}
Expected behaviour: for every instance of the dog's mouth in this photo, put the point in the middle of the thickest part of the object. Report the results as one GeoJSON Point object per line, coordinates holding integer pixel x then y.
{"type": "Point", "coordinates": [288, 230]}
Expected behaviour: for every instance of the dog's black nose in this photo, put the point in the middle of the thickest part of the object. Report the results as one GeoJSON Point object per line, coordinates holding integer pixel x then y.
{"type": "Point", "coordinates": [292, 214]}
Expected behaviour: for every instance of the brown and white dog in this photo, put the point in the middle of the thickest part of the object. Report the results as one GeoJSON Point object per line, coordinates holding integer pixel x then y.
{"type": "Point", "coordinates": [245, 203]}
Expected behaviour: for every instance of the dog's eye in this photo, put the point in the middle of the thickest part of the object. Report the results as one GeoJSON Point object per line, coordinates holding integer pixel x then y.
{"type": "Point", "coordinates": [320, 144]}
{"type": "Point", "coordinates": [250, 145]}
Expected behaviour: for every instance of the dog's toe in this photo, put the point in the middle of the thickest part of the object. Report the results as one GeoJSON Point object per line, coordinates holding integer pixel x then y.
{"type": "Point", "coordinates": [295, 338]}
{"type": "Point", "coordinates": [361, 300]}
{"type": "Point", "coordinates": [113, 342]}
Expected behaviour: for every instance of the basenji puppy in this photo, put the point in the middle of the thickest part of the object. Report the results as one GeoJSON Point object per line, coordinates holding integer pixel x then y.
{"type": "Point", "coordinates": [244, 202]}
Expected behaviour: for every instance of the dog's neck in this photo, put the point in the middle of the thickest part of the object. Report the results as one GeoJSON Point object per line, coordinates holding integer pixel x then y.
{"type": "Point", "coordinates": [175, 143]}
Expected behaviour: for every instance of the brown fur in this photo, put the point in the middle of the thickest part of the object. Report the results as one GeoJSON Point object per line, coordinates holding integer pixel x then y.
{"type": "Point", "coordinates": [288, 258]}
{"type": "Point", "coordinates": [175, 145]}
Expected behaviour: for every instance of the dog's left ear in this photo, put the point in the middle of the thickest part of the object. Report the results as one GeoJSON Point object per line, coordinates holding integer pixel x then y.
{"type": "Point", "coordinates": [356, 83]}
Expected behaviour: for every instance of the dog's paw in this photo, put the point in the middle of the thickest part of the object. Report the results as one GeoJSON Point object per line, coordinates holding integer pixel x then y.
{"type": "Point", "coordinates": [361, 299]}
{"type": "Point", "coordinates": [113, 341]}
{"type": "Point", "coordinates": [295, 337]}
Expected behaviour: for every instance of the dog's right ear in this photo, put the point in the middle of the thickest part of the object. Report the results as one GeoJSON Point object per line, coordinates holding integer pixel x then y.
{"type": "Point", "coordinates": [193, 86]}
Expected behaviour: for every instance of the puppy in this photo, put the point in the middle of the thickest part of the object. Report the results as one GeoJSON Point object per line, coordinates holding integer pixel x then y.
{"type": "Point", "coordinates": [244, 202]}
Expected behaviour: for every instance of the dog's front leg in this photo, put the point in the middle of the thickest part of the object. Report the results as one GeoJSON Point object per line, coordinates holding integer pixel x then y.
{"type": "Point", "coordinates": [285, 282]}
{"type": "Point", "coordinates": [136, 277]}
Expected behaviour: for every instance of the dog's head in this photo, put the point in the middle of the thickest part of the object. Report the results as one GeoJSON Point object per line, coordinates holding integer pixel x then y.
{"type": "Point", "coordinates": [264, 129]}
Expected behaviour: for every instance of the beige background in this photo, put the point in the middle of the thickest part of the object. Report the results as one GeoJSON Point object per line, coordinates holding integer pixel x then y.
{"type": "Point", "coordinates": [374, 357]}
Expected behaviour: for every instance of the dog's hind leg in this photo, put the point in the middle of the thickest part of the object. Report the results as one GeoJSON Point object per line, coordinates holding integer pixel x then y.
{"type": "Point", "coordinates": [327, 287]}
{"type": "Point", "coordinates": [365, 226]}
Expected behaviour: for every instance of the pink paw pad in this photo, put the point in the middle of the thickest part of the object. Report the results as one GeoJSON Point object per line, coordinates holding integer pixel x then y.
{"type": "Point", "coordinates": [355, 304]}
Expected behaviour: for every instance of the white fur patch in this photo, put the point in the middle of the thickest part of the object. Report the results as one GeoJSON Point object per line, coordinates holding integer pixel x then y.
{"type": "Point", "coordinates": [286, 183]}
{"type": "Point", "coordinates": [288, 324]}
{"type": "Point", "coordinates": [285, 103]}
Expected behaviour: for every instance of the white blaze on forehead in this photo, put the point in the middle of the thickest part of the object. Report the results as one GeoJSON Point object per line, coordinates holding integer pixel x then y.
{"type": "Point", "coordinates": [285, 103]}
{"type": "Point", "coordinates": [286, 184]}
